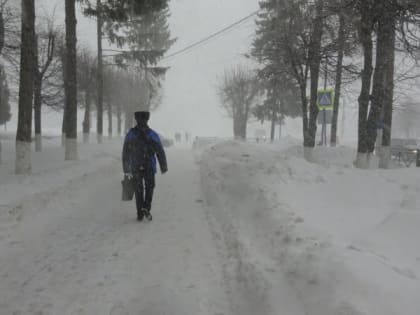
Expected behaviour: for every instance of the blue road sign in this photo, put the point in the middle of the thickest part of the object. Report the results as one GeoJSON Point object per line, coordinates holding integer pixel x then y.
{"type": "Point", "coordinates": [325, 99]}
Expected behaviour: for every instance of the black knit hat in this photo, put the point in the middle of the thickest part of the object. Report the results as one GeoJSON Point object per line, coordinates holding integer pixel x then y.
{"type": "Point", "coordinates": [142, 116]}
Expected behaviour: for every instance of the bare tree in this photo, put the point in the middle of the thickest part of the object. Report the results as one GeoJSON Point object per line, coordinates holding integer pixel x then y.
{"type": "Point", "coordinates": [238, 92]}
{"type": "Point", "coordinates": [87, 67]}
{"type": "Point", "coordinates": [119, 19]}
{"type": "Point", "coordinates": [10, 33]}
{"type": "Point", "coordinates": [44, 56]}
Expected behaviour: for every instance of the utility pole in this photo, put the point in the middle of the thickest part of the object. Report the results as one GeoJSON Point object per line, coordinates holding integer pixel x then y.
{"type": "Point", "coordinates": [100, 77]}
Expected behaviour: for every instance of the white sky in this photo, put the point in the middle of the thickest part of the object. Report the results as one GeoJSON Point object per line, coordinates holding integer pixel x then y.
{"type": "Point", "coordinates": [190, 102]}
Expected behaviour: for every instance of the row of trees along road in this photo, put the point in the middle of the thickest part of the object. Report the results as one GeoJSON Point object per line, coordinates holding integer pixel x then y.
{"type": "Point", "coordinates": [298, 42]}
{"type": "Point", "coordinates": [48, 67]}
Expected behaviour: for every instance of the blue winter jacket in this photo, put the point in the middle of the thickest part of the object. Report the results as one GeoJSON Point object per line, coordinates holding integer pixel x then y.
{"type": "Point", "coordinates": [132, 162]}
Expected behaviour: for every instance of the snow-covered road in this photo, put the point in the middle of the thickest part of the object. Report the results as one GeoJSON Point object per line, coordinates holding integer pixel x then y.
{"type": "Point", "coordinates": [84, 253]}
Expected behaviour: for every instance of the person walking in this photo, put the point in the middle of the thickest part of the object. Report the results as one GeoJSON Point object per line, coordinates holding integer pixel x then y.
{"type": "Point", "coordinates": [141, 147]}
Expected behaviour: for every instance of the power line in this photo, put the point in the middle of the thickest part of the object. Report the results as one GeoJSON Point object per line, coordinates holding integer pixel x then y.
{"type": "Point", "coordinates": [204, 43]}
{"type": "Point", "coordinates": [210, 37]}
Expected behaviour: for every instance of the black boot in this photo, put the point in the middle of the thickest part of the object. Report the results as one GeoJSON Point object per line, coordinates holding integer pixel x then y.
{"type": "Point", "coordinates": [147, 215]}
{"type": "Point", "coordinates": [140, 215]}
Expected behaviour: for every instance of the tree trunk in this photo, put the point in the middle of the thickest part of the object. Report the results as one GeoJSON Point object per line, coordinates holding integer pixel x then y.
{"type": "Point", "coordinates": [243, 125]}
{"type": "Point", "coordinates": [109, 120]}
{"type": "Point", "coordinates": [86, 120]}
{"type": "Point", "coordinates": [236, 127]}
{"type": "Point", "coordinates": [305, 120]}
{"type": "Point", "coordinates": [64, 121]}
{"type": "Point", "coordinates": [128, 120]}
{"type": "Point", "coordinates": [63, 128]}
{"type": "Point", "coordinates": [119, 120]}
{"type": "Point", "coordinates": [365, 32]}
{"type": "Point", "coordinates": [37, 99]}
{"type": "Point", "coordinates": [1, 49]}
{"type": "Point", "coordinates": [239, 127]}
{"type": "Point", "coordinates": [280, 128]}
{"type": "Point", "coordinates": [314, 64]}
{"type": "Point", "coordinates": [100, 79]}
{"type": "Point", "coordinates": [2, 31]}
{"type": "Point", "coordinates": [70, 84]}
{"type": "Point", "coordinates": [374, 120]}
{"type": "Point", "coordinates": [39, 73]}
{"type": "Point", "coordinates": [338, 79]}
{"type": "Point", "coordinates": [37, 114]}
{"type": "Point", "coordinates": [273, 125]}
{"type": "Point", "coordinates": [388, 98]}
{"type": "Point", "coordinates": [26, 82]}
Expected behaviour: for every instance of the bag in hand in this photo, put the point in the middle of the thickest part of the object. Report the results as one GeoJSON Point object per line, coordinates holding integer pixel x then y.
{"type": "Point", "coordinates": [127, 188]}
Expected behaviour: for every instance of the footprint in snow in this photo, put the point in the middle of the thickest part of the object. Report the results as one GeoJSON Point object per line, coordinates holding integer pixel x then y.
{"type": "Point", "coordinates": [354, 248]}
{"type": "Point", "coordinates": [118, 309]}
{"type": "Point", "coordinates": [299, 220]}
{"type": "Point", "coordinates": [346, 308]}
{"type": "Point", "coordinates": [405, 187]}
{"type": "Point", "coordinates": [405, 273]}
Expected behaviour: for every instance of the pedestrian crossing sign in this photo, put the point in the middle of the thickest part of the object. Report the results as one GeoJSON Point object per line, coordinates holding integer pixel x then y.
{"type": "Point", "coordinates": [325, 99]}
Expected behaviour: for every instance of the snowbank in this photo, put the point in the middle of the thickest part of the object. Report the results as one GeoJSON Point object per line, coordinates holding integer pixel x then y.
{"type": "Point", "coordinates": [326, 236]}
{"type": "Point", "coordinates": [50, 173]}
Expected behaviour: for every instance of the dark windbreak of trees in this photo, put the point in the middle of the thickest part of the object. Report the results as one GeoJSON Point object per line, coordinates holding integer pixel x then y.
{"type": "Point", "coordinates": [301, 40]}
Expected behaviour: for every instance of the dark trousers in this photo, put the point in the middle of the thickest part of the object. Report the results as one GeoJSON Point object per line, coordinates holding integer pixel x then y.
{"type": "Point", "coordinates": [144, 183]}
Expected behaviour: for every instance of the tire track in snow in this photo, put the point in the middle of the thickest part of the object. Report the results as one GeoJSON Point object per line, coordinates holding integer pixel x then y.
{"type": "Point", "coordinates": [254, 286]}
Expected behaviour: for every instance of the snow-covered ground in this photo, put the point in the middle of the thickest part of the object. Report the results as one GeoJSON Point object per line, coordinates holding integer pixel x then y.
{"type": "Point", "coordinates": [336, 239]}
{"type": "Point", "coordinates": [68, 245]}
{"type": "Point", "coordinates": [238, 229]}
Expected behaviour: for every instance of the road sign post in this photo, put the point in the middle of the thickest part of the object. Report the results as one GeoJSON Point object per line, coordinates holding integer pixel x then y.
{"type": "Point", "coordinates": [325, 101]}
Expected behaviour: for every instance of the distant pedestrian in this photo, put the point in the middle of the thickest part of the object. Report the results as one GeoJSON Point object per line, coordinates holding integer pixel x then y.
{"type": "Point", "coordinates": [141, 146]}
{"type": "Point", "coordinates": [177, 137]}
